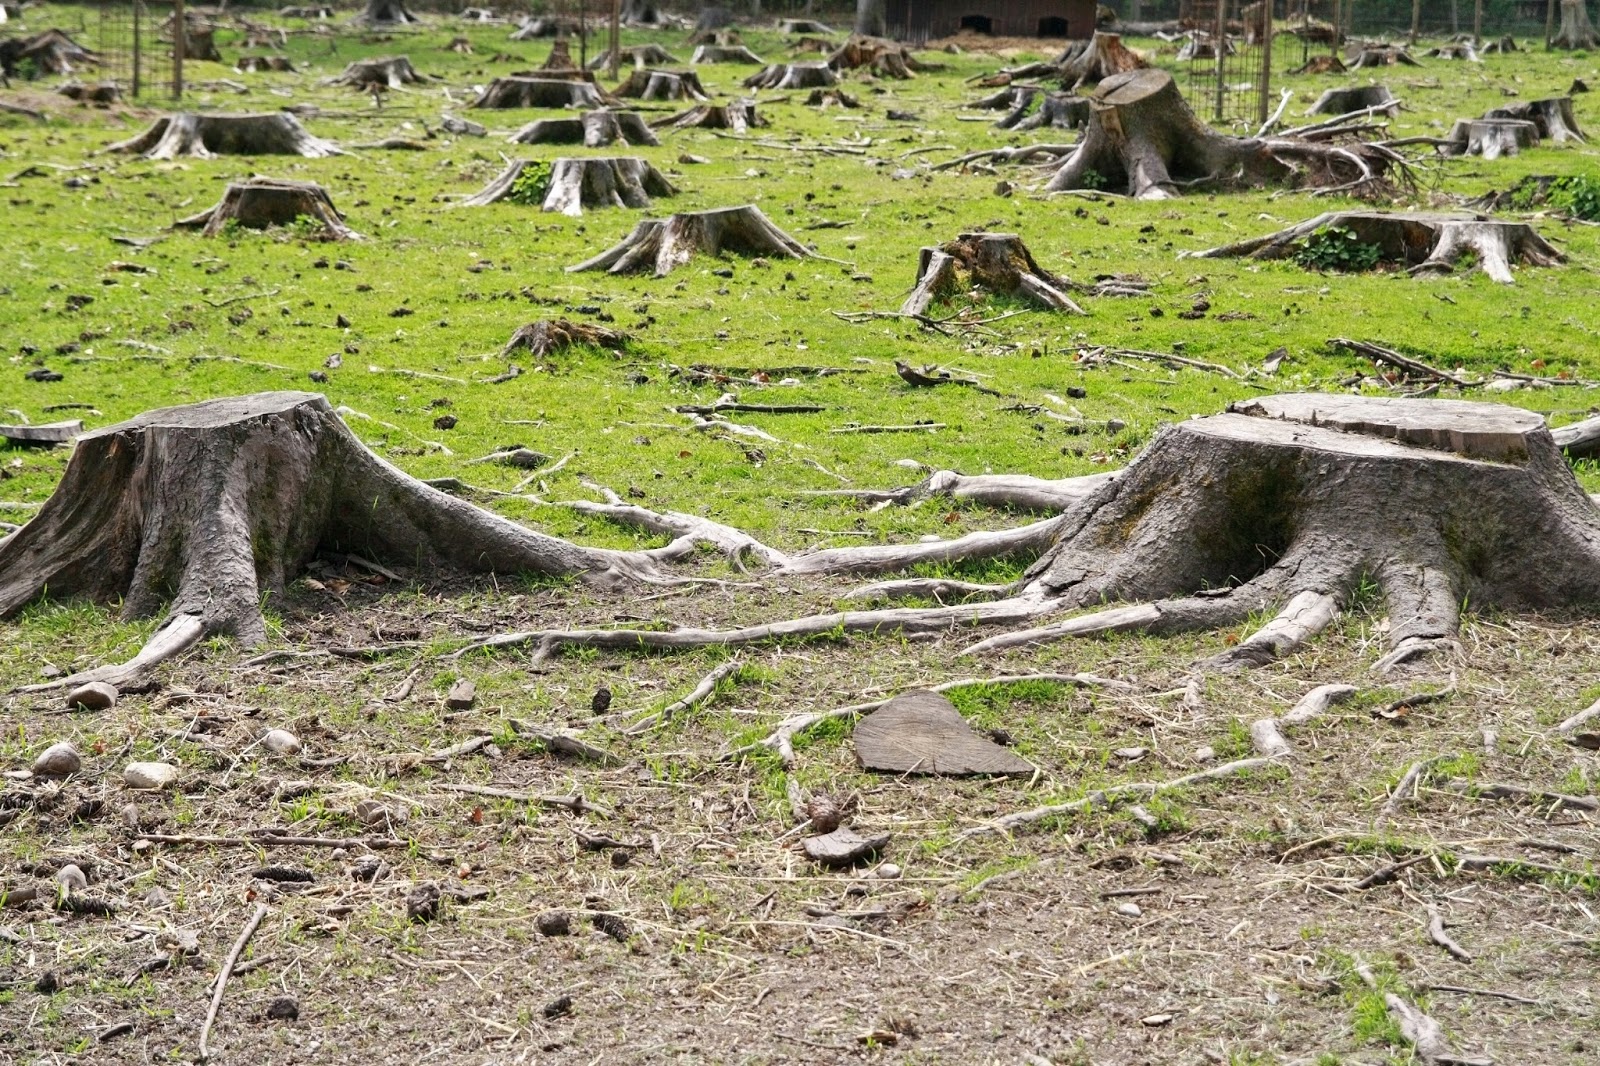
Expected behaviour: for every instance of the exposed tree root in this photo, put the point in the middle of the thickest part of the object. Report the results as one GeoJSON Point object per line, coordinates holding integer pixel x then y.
{"type": "Point", "coordinates": [698, 695]}
{"type": "Point", "coordinates": [1362, 98]}
{"type": "Point", "coordinates": [592, 129]}
{"type": "Point", "coordinates": [1018, 491]}
{"type": "Point", "coordinates": [550, 335]}
{"type": "Point", "coordinates": [662, 245]}
{"type": "Point", "coordinates": [1091, 61]}
{"type": "Point", "coordinates": [1062, 111]}
{"type": "Point", "coordinates": [1267, 734]}
{"type": "Point", "coordinates": [209, 135]}
{"type": "Point", "coordinates": [1306, 615]}
{"type": "Point", "coordinates": [262, 202]}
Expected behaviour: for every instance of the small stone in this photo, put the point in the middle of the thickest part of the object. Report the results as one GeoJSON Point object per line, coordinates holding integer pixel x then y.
{"type": "Point", "coordinates": [1129, 910]}
{"type": "Point", "coordinates": [58, 760]}
{"type": "Point", "coordinates": [281, 741]}
{"type": "Point", "coordinates": [553, 923]}
{"type": "Point", "coordinates": [1131, 754]}
{"type": "Point", "coordinates": [71, 878]}
{"type": "Point", "coordinates": [1205, 753]}
{"type": "Point", "coordinates": [463, 694]}
{"type": "Point", "coordinates": [156, 897]}
{"type": "Point", "coordinates": [1154, 1020]}
{"type": "Point", "coordinates": [887, 872]}
{"type": "Point", "coordinates": [95, 696]}
{"type": "Point", "coordinates": [422, 902]}
{"type": "Point", "coordinates": [559, 1007]}
{"type": "Point", "coordinates": [149, 776]}
{"type": "Point", "coordinates": [283, 1009]}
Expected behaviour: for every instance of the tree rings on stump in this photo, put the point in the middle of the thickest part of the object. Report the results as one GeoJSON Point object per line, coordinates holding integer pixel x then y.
{"type": "Point", "coordinates": [645, 84]}
{"type": "Point", "coordinates": [206, 136]}
{"type": "Point", "coordinates": [258, 203]}
{"type": "Point", "coordinates": [1491, 137]}
{"type": "Point", "coordinates": [792, 76]}
{"type": "Point", "coordinates": [921, 732]}
{"type": "Point", "coordinates": [593, 129]}
{"type": "Point", "coordinates": [1423, 242]}
{"type": "Point", "coordinates": [517, 91]}
{"type": "Point", "coordinates": [994, 262]}
{"type": "Point", "coordinates": [662, 245]}
{"type": "Point", "coordinates": [735, 115]}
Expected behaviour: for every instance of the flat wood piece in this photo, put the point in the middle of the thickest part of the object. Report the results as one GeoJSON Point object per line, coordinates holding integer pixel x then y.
{"type": "Point", "coordinates": [921, 732]}
{"type": "Point", "coordinates": [49, 433]}
{"type": "Point", "coordinates": [1479, 430]}
{"type": "Point", "coordinates": [844, 847]}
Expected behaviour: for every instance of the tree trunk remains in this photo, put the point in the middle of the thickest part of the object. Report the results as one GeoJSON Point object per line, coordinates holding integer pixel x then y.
{"type": "Point", "coordinates": [519, 91]}
{"type": "Point", "coordinates": [1323, 64]}
{"type": "Point", "coordinates": [590, 182]}
{"type": "Point", "coordinates": [1360, 98]}
{"type": "Point", "coordinates": [1461, 50]}
{"type": "Point", "coordinates": [802, 27]}
{"type": "Point", "coordinates": [550, 335]}
{"type": "Point", "coordinates": [1491, 137]}
{"type": "Point", "coordinates": [736, 115]}
{"type": "Point", "coordinates": [1504, 46]}
{"type": "Point", "coordinates": [210, 508]}
{"type": "Point", "coordinates": [104, 94]}
{"type": "Point", "coordinates": [1388, 56]}
{"type": "Point", "coordinates": [826, 98]}
{"type": "Point", "coordinates": [644, 84]}
{"type": "Point", "coordinates": [641, 55]}
{"type": "Point", "coordinates": [870, 18]}
{"type": "Point", "coordinates": [534, 28]}
{"type": "Point", "coordinates": [1425, 243]}
{"type": "Point", "coordinates": [385, 13]}
{"type": "Point", "coordinates": [1553, 118]}
{"type": "Point", "coordinates": [390, 71]}
{"type": "Point", "coordinates": [1062, 111]}
{"type": "Point", "coordinates": [793, 76]}
{"type": "Point", "coordinates": [207, 136]}
{"type": "Point", "coordinates": [1576, 32]}
{"type": "Point", "coordinates": [1091, 61]}
{"type": "Point", "coordinates": [51, 52]}
{"type": "Point", "coordinates": [258, 203]}
{"type": "Point", "coordinates": [711, 53]}
{"type": "Point", "coordinates": [887, 59]}
{"type": "Point", "coordinates": [1142, 138]}
{"type": "Point", "coordinates": [592, 129]}
{"type": "Point", "coordinates": [662, 245]}
{"type": "Point", "coordinates": [200, 44]}
{"type": "Point", "coordinates": [262, 64]}
{"type": "Point", "coordinates": [992, 262]}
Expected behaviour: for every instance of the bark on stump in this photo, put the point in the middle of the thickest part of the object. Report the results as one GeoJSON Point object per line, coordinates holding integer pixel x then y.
{"type": "Point", "coordinates": [206, 510]}
{"type": "Point", "coordinates": [662, 245]}
{"type": "Point", "coordinates": [993, 262]}
{"type": "Point", "coordinates": [560, 57]}
{"type": "Point", "coordinates": [1091, 61]}
{"type": "Point", "coordinates": [644, 84]}
{"type": "Point", "coordinates": [1142, 138]}
{"type": "Point", "coordinates": [641, 55]}
{"type": "Point", "coordinates": [208, 136]}
{"type": "Point", "coordinates": [1491, 137]}
{"type": "Point", "coordinates": [887, 59]}
{"type": "Point", "coordinates": [392, 71]}
{"type": "Point", "coordinates": [1460, 50]}
{"type": "Point", "coordinates": [385, 13]}
{"type": "Point", "coordinates": [200, 44]}
{"type": "Point", "coordinates": [1553, 118]}
{"type": "Point", "coordinates": [1360, 98]}
{"type": "Point", "coordinates": [262, 202]}
{"type": "Point", "coordinates": [1576, 30]}
{"type": "Point", "coordinates": [515, 91]}
{"type": "Point", "coordinates": [579, 183]}
{"type": "Point", "coordinates": [801, 27]}
{"type": "Point", "coordinates": [1062, 111]}
{"type": "Point", "coordinates": [1425, 243]}
{"type": "Point", "coordinates": [1382, 57]}
{"type": "Point", "coordinates": [263, 64]}
{"type": "Point", "coordinates": [793, 76]}
{"type": "Point", "coordinates": [1323, 64]}
{"type": "Point", "coordinates": [826, 98]}
{"type": "Point", "coordinates": [593, 129]}
{"type": "Point", "coordinates": [711, 53]}
{"type": "Point", "coordinates": [735, 115]}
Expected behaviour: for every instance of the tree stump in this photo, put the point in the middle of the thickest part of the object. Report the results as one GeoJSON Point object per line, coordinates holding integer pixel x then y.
{"type": "Point", "coordinates": [711, 53]}
{"type": "Point", "coordinates": [104, 94]}
{"type": "Point", "coordinates": [208, 136]}
{"type": "Point", "coordinates": [1091, 61]}
{"type": "Point", "coordinates": [1323, 64]}
{"type": "Point", "coordinates": [50, 52]}
{"type": "Point", "coordinates": [992, 262]}
{"type": "Point", "coordinates": [1199, 44]}
{"type": "Point", "coordinates": [1062, 110]}
{"type": "Point", "coordinates": [578, 183]}
{"type": "Point", "coordinates": [1387, 56]}
{"type": "Point", "coordinates": [887, 59]}
{"type": "Point", "coordinates": [793, 76]}
{"type": "Point", "coordinates": [1461, 50]}
{"type": "Point", "coordinates": [826, 98]}
{"type": "Point", "coordinates": [1423, 242]}
{"type": "Point", "coordinates": [593, 129]}
{"type": "Point", "coordinates": [640, 55]}
{"type": "Point", "coordinates": [808, 45]}
{"type": "Point", "coordinates": [526, 92]}
{"type": "Point", "coordinates": [207, 510]}
{"type": "Point", "coordinates": [385, 13]}
{"type": "Point", "coordinates": [534, 28]}
{"type": "Point", "coordinates": [550, 335]}
{"type": "Point", "coordinates": [199, 43]}
{"type": "Point", "coordinates": [258, 203]}
{"type": "Point", "coordinates": [560, 58]}
{"type": "Point", "coordinates": [1576, 32]}
{"type": "Point", "coordinates": [735, 115]}
{"type": "Point", "coordinates": [645, 84]}
{"type": "Point", "coordinates": [262, 64]}
{"type": "Point", "coordinates": [1491, 137]}
{"type": "Point", "coordinates": [662, 245]}
{"type": "Point", "coordinates": [461, 46]}
{"type": "Point", "coordinates": [1358, 98]}
{"type": "Point", "coordinates": [1553, 118]}
{"type": "Point", "coordinates": [391, 71]}
{"type": "Point", "coordinates": [1142, 138]}
{"type": "Point", "coordinates": [801, 27]}
{"type": "Point", "coordinates": [1009, 98]}
{"type": "Point", "coordinates": [1504, 46]}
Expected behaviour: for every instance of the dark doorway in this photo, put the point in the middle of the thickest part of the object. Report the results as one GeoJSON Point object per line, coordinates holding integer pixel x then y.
{"type": "Point", "coordinates": [1052, 27]}
{"type": "Point", "coordinates": [977, 23]}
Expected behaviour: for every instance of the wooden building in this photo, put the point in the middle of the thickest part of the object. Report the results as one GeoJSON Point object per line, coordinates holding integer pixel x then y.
{"type": "Point", "coordinates": [919, 21]}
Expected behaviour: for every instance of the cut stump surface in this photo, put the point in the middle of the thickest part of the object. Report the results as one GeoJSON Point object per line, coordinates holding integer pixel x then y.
{"type": "Point", "coordinates": [921, 732]}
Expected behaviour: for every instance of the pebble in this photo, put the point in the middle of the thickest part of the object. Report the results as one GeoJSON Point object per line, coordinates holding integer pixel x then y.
{"type": "Point", "coordinates": [71, 878]}
{"type": "Point", "coordinates": [156, 897]}
{"type": "Point", "coordinates": [553, 923]}
{"type": "Point", "coordinates": [1205, 753]}
{"type": "Point", "coordinates": [463, 694]}
{"type": "Point", "coordinates": [1131, 754]}
{"type": "Point", "coordinates": [281, 741]}
{"type": "Point", "coordinates": [284, 1009]}
{"type": "Point", "coordinates": [58, 760]}
{"type": "Point", "coordinates": [887, 872]}
{"type": "Point", "coordinates": [149, 776]}
{"type": "Point", "coordinates": [95, 696]}
{"type": "Point", "coordinates": [1129, 910]}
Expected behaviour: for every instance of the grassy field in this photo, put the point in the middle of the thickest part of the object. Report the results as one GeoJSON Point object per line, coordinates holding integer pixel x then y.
{"type": "Point", "coordinates": [1243, 944]}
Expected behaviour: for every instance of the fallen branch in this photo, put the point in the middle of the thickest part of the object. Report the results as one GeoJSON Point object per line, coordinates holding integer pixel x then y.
{"type": "Point", "coordinates": [1379, 354]}
{"type": "Point", "coordinates": [564, 743]}
{"type": "Point", "coordinates": [227, 971]}
{"type": "Point", "coordinates": [1583, 717]}
{"type": "Point", "coordinates": [915, 428]}
{"type": "Point", "coordinates": [1403, 790]}
{"type": "Point", "coordinates": [269, 838]}
{"type": "Point", "coordinates": [574, 803]}
{"type": "Point", "coordinates": [1460, 990]}
{"type": "Point", "coordinates": [1437, 934]}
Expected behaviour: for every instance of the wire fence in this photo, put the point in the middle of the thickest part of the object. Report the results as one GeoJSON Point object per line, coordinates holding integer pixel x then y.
{"type": "Point", "coordinates": [133, 51]}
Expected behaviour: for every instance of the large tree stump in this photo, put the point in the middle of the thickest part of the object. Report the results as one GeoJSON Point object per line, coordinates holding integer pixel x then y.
{"type": "Point", "coordinates": [103, 94]}
{"type": "Point", "coordinates": [199, 43]}
{"type": "Point", "coordinates": [1491, 137]}
{"type": "Point", "coordinates": [50, 52]}
{"type": "Point", "coordinates": [711, 53]}
{"type": "Point", "coordinates": [262, 64]}
{"type": "Point", "coordinates": [1357, 98]}
{"type": "Point", "coordinates": [207, 136]}
{"type": "Point", "coordinates": [735, 115]}
{"type": "Point", "coordinates": [1553, 117]}
{"type": "Point", "coordinates": [1143, 139]}
{"type": "Point", "coordinates": [390, 71]}
{"type": "Point", "coordinates": [1091, 61]}
{"type": "Point", "coordinates": [662, 245]}
{"type": "Point", "coordinates": [533, 28]}
{"type": "Point", "coordinates": [206, 511]}
{"type": "Point", "coordinates": [886, 59]}
{"type": "Point", "coordinates": [793, 76]}
{"type": "Point", "coordinates": [1323, 64]}
{"type": "Point", "coordinates": [640, 55]}
{"type": "Point", "coordinates": [646, 84]}
{"type": "Point", "coordinates": [1063, 111]}
{"type": "Point", "coordinates": [578, 183]}
{"type": "Point", "coordinates": [991, 262]}
{"type": "Point", "coordinates": [1576, 32]}
{"type": "Point", "coordinates": [1423, 242]}
{"type": "Point", "coordinates": [258, 203]}
{"type": "Point", "coordinates": [517, 91]}
{"type": "Point", "coordinates": [592, 129]}
{"type": "Point", "coordinates": [385, 13]}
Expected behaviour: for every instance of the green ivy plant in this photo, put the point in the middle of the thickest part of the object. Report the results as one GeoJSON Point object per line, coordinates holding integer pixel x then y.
{"type": "Point", "coordinates": [532, 185]}
{"type": "Point", "coordinates": [1338, 249]}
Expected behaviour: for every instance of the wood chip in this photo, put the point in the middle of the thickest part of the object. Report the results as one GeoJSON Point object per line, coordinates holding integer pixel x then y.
{"type": "Point", "coordinates": [921, 732]}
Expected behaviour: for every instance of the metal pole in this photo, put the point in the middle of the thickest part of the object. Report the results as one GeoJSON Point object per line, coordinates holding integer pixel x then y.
{"type": "Point", "coordinates": [1477, 25]}
{"type": "Point", "coordinates": [1219, 44]}
{"type": "Point", "coordinates": [1266, 62]}
{"type": "Point", "coordinates": [1549, 24]}
{"type": "Point", "coordinates": [180, 44]}
{"type": "Point", "coordinates": [616, 39]}
{"type": "Point", "coordinates": [1338, 26]}
{"type": "Point", "coordinates": [1416, 20]}
{"type": "Point", "coordinates": [138, 10]}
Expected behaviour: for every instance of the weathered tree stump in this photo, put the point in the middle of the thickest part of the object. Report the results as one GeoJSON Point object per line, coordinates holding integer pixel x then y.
{"type": "Point", "coordinates": [1200, 44]}
{"type": "Point", "coordinates": [207, 136]}
{"type": "Point", "coordinates": [1009, 98]}
{"type": "Point", "coordinates": [1357, 98]}
{"type": "Point", "coordinates": [1491, 137]}
{"type": "Point", "coordinates": [207, 510]}
{"type": "Point", "coordinates": [711, 53]}
{"type": "Point", "coordinates": [391, 71]}
{"type": "Point", "coordinates": [801, 27]}
{"type": "Point", "coordinates": [640, 55]}
{"type": "Point", "coordinates": [735, 115]}
{"type": "Point", "coordinates": [480, 16]}
{"type": "Point", "coordinates": [1061, 110]}
{"type": "Point", "coordinates": [1423, 242]}
{"type": "Point", "coordinates": [550, 335]}
{"type": "Point", "coordinates": [826, 98]}
{"type": "Point", "coordinates": [1460, 50]}
{"type": "Point", "coordinates": [793, 76]}
{"type": "Point", "coordinates": [578, 183]}
{"type": "Point", "coordinates": [315, 12]}
{"type": "Point", "coordinates": [560, 58]}
{"type": "Point", "coordinates": [662, 245]}
{"type": "Point", "coordinates": [1553, 117]}
{"type": "Point", "coordinates": [645, 84]}
{"type": "Point", "coordinates": [809, 45]}
{"type": "Point", "coordinates": [385, 13]}
{"type": "Point", "coordinates": [461, 46]}
{"type": "Point", "coordinates": [1091, 61]}
{"type": "Point", "coordinates": [886, 59]}
{"type": "Point", "coordinates": [1323, 64]}
{"type": "Point", "coordinates": [526, 92]}
{"type": "Point", "coordinates": [1143, 138]}
{"type": "Point", "coordinates": [1387, 56]}
{"type": "Point", "coordinates": [199, 43]}
{"type": "Point", "coordinates": [1504, 46]}
{"type": "Point", "coordinates": [258, 203]}
{"type": "Point", "coordinates": [50, 52]}
{"type": "Point", "coordinates": [103, 94]}
{"type": "Point", "coordinates": [262, 64]}
{"type": "Point", "coordinates": [592, 129]}
{"type": "Point", "coordinates": [992, 262]}
{"type": "Point", "coordinates": [534, 28]}
{"type": "Point", "coordinates": [1576, 32]}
